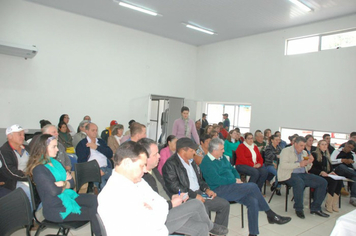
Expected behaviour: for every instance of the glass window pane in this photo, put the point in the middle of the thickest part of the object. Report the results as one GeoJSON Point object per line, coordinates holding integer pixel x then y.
{"type": "Point", "coordinates": [236, 117]}
{"type": "Point", "coordinates": [245, 116]}
{"type": "Point", "coordinates": [304, 45]}
{"type": "Point", "coordinates": [215, 112]}
{"type": "Point", "coordinates": [343, 40]}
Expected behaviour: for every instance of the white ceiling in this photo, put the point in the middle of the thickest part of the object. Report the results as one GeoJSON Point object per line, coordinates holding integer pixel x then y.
{"type": "Point", "coordinates": [229, 18]}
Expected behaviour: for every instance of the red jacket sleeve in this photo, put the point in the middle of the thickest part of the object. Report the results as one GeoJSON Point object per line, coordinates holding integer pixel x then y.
{"type": "Point", "coordinates": [244, 156]}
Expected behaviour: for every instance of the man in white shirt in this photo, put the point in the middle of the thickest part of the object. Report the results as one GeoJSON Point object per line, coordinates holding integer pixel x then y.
{"type": "Point", "coordinates": [128, 205]}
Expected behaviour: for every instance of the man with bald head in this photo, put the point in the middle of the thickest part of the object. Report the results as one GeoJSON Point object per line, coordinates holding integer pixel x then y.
{"type": "Point", "coordinates": [93, 148]}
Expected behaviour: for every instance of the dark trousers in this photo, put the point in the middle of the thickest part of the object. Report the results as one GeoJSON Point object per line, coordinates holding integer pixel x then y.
{"type": "Point", "coordinates": [89, 204]}
{"type": "Point", "coordinates": [257, 175]}
{"type": "Point", "coordinates": [334, 186]}
{"type": "Point", "coordinates": [343, 170]}
{"type": "Point", "coordinates": [301, 180]}
{"type": "Point", "coordinates": [246, 194]}
{"type": "Point", "coordinates": [221, 208]}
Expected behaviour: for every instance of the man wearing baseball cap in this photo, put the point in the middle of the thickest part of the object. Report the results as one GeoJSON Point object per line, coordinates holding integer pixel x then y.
{"type": "Point", "coordinates": [182, 175]}
{"type": "Point", "coordinates": [14, 156]}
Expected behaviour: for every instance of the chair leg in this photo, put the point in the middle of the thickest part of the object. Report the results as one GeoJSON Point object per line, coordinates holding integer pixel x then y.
{"type": "Point", "coordinates": [264, 187]}
{"type": "Point", "coordinates": [272, 195]}
{"type": "Point", "coordinates": [287, 192]}
{"type": "Point", "coordinates": [242, 216]}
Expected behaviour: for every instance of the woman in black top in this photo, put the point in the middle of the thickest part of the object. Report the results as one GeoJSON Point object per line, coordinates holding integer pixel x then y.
{"type": "Point", "coordinates": [309, 144]}
{"type": "Point", "coordinates": [322, 166]}
{"type": "Point", "coordinates": [272, 152]}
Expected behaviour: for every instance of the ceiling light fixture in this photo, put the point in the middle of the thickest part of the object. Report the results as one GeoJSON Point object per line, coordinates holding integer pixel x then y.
{"type": "Point", "coordinates": [140, 9]}
{"type": "Point", "coordinates": [301, 5]}
{"type": "Point", "coordinates": [199, 29]}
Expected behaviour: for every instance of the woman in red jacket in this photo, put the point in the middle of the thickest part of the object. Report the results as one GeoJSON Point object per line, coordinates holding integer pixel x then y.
{"type": "Point", "coordinates": [249, 161]}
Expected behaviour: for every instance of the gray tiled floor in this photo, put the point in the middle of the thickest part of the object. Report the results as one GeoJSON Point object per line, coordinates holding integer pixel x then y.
{"type": "Point", "coordinates": [310, 226]}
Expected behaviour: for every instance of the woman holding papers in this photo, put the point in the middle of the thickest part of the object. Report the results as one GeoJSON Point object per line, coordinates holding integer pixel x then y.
{"type": "Point", "coordinates": [322, 166]}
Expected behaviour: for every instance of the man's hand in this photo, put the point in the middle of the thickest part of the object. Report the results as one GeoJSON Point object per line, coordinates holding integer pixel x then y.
{"type": "Point", "coordinates": [199, 197]}
{"type": "Point", "coordinates": [210, 193]}
{"type": "Point", "coordinates": [238, 181]}
{"type": "Point", "coordinates": [303, 163]}
{"type": "Point", "coordinates": [311, 159]}
{"type": "Point", "coordinates": [92, 145]}
{"type": "Point", "coordinates": [2, 183]}
{"type": "Point", "coordinates": [102, 173]}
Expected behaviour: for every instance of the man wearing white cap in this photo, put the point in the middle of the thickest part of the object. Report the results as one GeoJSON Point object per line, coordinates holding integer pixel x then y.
{"type": "Point", "coordinates": [14, 156]}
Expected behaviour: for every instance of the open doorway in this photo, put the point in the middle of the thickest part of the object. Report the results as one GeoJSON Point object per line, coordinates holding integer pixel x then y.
{"type": "Point", "coordinates": [163, 111]}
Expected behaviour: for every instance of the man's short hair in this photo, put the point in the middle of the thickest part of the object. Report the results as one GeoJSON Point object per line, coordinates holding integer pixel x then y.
{"type": "Point", "coordinates": [300, 139]}
{"type": "Point", "coordinates": [46, 127]}
{"type": "Point", "coordinates": [352, 134]}
{"type": "Point", "coordinates": [351, 142]}
{"type": "Point", "coordinates": [204, 137]}
{"type": "Point", "coordinates": [146, 143]}
{"type": "Point", "coordinates": [184, 108]}
{"type": "Point", "coordinates": [220, 123]}
{"type": "Point", "coordinates": [214, 144]}
{"type": "Point", "coordinates": [197, 121]}
{"type": "Point", "coordinates": [136, 128]}
{"type": "Point", "coordinates": [225, 114]}
{"type": "Point", "coordinates": [129, 149]}
{"type": "Point", "coordinates": [326, 135]}
{"type": "Point", "coordinates": [87, 127]}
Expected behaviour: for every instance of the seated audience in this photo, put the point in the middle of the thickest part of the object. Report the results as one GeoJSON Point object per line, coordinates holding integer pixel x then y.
{"type": "Point", "coordinates": [116, 134]}
{"type": "Point", "coordinates": [292, 140]}
{"type": "Point", "coordinates": [327, 138]}
{"type": "Point", "coordinates": [322, 167]}
{"type": "Point", "coordinates": [43, 123]}
{"type": "Point", "coordinates": [231, 143]}
{"type": "Point", "coordinates": [344, 157]}
{"type": "Point", "coordinates": [293, 169]}
{"type": "Point", "coordinates": [167, 151]}
{"type": "Point", "coordinates": [202, 149]}
{"type": "Point", "coordinates": [184, 127]}
{"type": "Point", "coordinates": [63, 135]}
{"type": "Point", "coordinates": [223, 132]}
{"type": "Point", "coordinates": [225, 181]}
{"type": "Point", "coordinates": [266, 135]}
{"type": "Point", "coordinates": [249, 161]}
{"type": "Point", "coordinates": [65, 118]}
{"type": "Point", "coordinates": [87, 118]}
{"type": "Point", "coordinates": [208, 129]}
{"type": "Point", "coordinates": [217, 129]}
{"type": "Point", "coordinates": [190, 180]}
{"type": "Point", "coordinates": [309, 144]}
{"type": "Point", "coordinates": [127, 133]}
{"type": "Point", "coordinates": [81, 133]}
{"type": "Point", "coordinates": [272, 152]}
{"type": "Point", "coordinates": [188, 218]}
{"type": "Point", "coordinates": [13, 157]}
{"type": "Point", "coordinates": [198, 127]}
{"type": "Point", "coordinates": [106, 133]}
{"type": "Point", "coordinates": [282, 144]}
{"type": "Point", "coordinates": [93, 148]}
{"type": "Point", "coordinates": [137, 131]}
{"type": "Point", "coordinates": [54, 186]}
{"type": "Point", "coordinates": [214, 134]}
{"type": "Point", "coordinates": [260, 142]}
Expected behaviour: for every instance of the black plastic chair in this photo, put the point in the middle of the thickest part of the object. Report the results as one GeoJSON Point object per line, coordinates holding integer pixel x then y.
{"type": "Point", "coordinates": [287, 193]}
{"type": "Point", "coordinates": [63, 227]}
{"type": "Point", "coordinates": [15, 213]}
{"type": "Point", "coordinates": [86, 172]}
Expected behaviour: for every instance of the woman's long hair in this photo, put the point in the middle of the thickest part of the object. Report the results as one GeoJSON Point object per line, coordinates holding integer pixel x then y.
{"type": "Point", "coordinates": [38, 154]}
{"type": "Point", "coordinates": [169, 139]}
{"type": "Point", "coordinates": [319, 155]}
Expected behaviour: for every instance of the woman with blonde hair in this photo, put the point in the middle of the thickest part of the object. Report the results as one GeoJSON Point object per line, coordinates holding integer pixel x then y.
{"type": "Point", "coordinates": [54, 186]}
{"type": "Point", "coordinates": [322, 167]}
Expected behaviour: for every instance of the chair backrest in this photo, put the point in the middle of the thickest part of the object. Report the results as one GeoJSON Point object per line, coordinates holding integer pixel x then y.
{"type": "Point", "coordinates": [15, 212]}
{"type": "Point", "coordinates": [233, 158]}
{"type": "Point", "coordinates": [101, 225]}
{"type": "Point", "coordinates": [87, 172]}
{"type": "Point", "coordinates": [35, 198]}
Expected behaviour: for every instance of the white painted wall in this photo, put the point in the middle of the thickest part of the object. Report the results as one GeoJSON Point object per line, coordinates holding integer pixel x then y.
{"type": "Point", "coordinates": [85, 66]}
{"type": "Point", "coordinates": [315, 90]}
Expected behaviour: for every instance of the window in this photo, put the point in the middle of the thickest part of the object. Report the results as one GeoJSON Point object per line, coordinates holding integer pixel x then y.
{"type": "Point", "coordinates": [336, 138]}
{"type": "Point", "coordinates": [321, 42]}
{"type": "Point", "coordinates": [239, 115]}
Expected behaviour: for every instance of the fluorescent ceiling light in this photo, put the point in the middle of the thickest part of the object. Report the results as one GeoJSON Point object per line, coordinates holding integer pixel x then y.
{"type": "Point", "coordinates": [199, 29]}
{"type": "Point", "coordinates": [301, 5]}
{"type": "Point", "coordinates": [124, 4]}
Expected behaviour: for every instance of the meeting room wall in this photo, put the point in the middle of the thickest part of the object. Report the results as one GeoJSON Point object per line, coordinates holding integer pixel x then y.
{"type": "Point", "coordinates": [313, 90]}
{"type": "Point", "coordinates": [85, 67]}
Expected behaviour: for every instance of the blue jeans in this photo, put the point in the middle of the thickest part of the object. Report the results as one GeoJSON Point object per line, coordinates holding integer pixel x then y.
{"type": "Point", "coordinates": [107, 173]}
{"type": "Point", "coordinates": [273, 171]}
{"type": "Point", "coordinates": [246, 194]}
{"type": "Point", "coordinates": [345, 171]}
{"type": "Point", "coordinates": [301, 180]}
{"type": "Point", "coordinates": [257, 175]}
{"type": "Point", "coordinates": [26, 189]}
